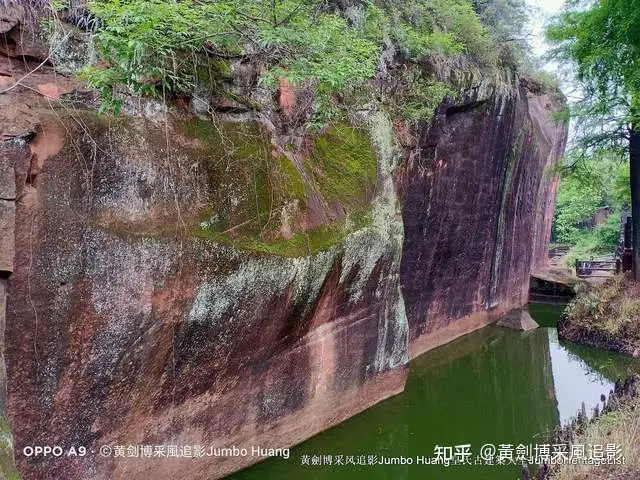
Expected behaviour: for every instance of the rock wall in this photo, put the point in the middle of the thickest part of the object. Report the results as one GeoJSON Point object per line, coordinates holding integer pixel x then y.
{"type": "Point", "coordinates": [178, 282]}
{"type": "Point", "coordinates": [127, 326]}
{"type": "Point", "coordinates": [477, 204]}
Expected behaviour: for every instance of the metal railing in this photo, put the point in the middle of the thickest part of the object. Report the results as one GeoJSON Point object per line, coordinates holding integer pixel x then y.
{"type": "Point", "coordinates": [597, 268]}
{"type": "Point", "coordinates": [606, 267]}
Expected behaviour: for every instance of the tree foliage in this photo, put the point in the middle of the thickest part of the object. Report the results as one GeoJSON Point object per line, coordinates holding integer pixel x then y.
{"type": "Point", "coordinates": [506, 18]}
{"type": "Point", "coordinates": [155, 47]}
{"type": "Point", "coordinates": [602, 40]}
{"type": "Point", "coordinates": [508, 22]}
{"type": "Point", "coordinates": [599, 242]}
{"type": "Point", "coordinates": [590, 184]}
{"type": "Point", "coordinates": [437, 28]}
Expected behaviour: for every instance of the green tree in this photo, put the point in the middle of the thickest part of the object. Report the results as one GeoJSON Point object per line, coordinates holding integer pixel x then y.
{"type": "Point", "coordinates": [587, 185]}
{"type": "Point", "coordinates": [505, 18]}
{"type": "Point", "coordinates": [602, 39]}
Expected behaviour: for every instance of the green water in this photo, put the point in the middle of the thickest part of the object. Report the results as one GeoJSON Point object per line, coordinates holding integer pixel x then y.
{"type": "Point", "coordinates": [494, 386]}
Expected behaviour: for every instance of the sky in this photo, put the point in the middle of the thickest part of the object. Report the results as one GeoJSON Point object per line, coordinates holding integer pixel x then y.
{"type": "Point", "coordinates": [547, 9]}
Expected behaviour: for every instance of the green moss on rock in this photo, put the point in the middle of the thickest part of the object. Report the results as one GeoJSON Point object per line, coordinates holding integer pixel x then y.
{"type": "Point", "coordinates": [250, 183]}
{"type": "Point", "coordinates": [361, 218]}
{"type": "Point", "coordinates": [301, 244]}
{"type": "Point", "coordinates": [7, 470]}
{"type": "Point", "coordinates": [238, 162]}
{"type": "Point", "coordinates": [211, 73]}
{"type": "Point", "coordinates": [291, 180]}
{"type": "Point", "coordinates": [344, 166]}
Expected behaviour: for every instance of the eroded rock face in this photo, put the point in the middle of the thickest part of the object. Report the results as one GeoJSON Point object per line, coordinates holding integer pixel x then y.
{"type": "Point", "coordinates": [121, 332]}
{"type": "Point", "coordinates": [477, 209]}
{"type": "Point", "coordinates": [126, 325]}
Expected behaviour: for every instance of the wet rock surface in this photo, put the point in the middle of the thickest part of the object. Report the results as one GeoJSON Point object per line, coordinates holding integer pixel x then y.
{"type": "Point", "coordinates": [477, 209]}
{"type": "Point", "coordinates": [124, 327]}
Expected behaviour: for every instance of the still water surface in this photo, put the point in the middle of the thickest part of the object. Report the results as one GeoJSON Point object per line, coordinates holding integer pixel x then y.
{"type": "Point", "coordinates": [494, 386]}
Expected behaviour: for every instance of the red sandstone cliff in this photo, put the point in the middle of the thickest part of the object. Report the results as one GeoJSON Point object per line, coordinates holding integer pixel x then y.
{"type": "Point", "coordinates": [477, 204]}
{"type": "Point", "coordinates": [123, 327]}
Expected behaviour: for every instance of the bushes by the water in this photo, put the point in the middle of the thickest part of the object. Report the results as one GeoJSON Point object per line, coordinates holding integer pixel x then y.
{"type": "Point", "coordinates": [606, 315]}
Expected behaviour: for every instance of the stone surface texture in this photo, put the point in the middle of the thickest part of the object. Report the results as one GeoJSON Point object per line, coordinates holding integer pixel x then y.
{"type": "Point", "coordinates": [518, 320]}
{"type": "Point", "coordinates": [123, 327]}
{"type": "Point", "coordinates": [477, 206]}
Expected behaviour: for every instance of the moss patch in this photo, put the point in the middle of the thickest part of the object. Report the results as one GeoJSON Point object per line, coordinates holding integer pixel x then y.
{"type": "Point", "coordinates": [344, 165]}
{"type": "Point", "coordinates": [247, 182]}
{"type": "Point", "coordinates": [7, 469]}
{"type": "Point", "coordinates": [210, 74]}
{"type": "Point", "coordinates": [250, 184]}
{"type": "Point", "coordinates": [290, 179]}
{"type": "Point", "coordinates": [301, 244]}
{"type": "Point", "coordinates": [361, 218]}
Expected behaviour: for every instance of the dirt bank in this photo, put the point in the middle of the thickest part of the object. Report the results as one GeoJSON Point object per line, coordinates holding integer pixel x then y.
{"type": "Point", "coordinates": [605, 316]}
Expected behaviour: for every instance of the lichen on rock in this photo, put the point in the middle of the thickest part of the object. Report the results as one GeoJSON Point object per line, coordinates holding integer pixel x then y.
{"type": "Point", "coordinates": [234, 278]}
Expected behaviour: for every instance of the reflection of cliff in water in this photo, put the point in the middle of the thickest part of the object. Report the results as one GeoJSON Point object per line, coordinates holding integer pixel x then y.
{"type": "Point", "coordinates": [492, 386]}
{"type": "Point", "coordinates": [497, 387]}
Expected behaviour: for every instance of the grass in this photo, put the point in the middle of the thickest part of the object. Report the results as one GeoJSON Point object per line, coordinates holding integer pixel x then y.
{"type": "Point", "coordinates": [606, 315]}
{"type": "Point", "coordinates": [620, 427]}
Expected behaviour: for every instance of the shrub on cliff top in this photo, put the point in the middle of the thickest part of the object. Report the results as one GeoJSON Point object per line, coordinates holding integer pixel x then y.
{"type": "Point", "coordinates": [155, 48]}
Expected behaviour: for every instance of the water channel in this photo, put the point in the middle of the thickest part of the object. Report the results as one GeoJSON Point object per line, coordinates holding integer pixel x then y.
{"type": "Point", "coordinates": [494, 386]}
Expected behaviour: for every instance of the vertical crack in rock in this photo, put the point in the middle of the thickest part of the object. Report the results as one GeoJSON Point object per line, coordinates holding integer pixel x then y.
{"type": "Point", "coordinates": [511, 165]}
